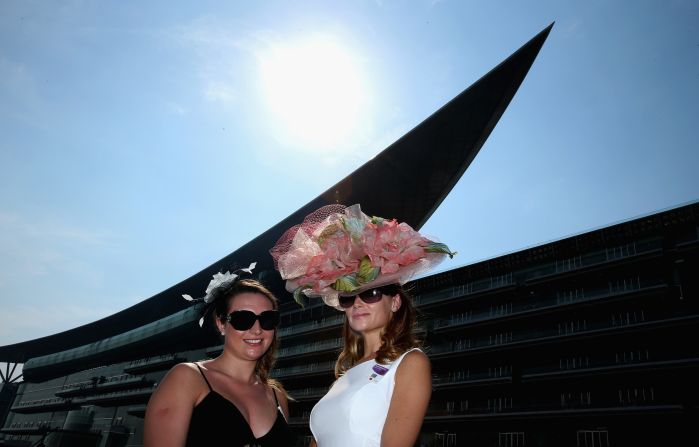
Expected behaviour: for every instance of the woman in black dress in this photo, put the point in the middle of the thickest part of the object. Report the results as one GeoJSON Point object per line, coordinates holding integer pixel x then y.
{"type": "Point", "coordinates": [229, 400]}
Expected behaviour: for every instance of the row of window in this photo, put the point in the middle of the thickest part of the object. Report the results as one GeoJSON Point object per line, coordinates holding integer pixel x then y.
{"type": "Point", "coordinates": [625, 396]}
{"type": "Point", "coordinates": [581, 438]}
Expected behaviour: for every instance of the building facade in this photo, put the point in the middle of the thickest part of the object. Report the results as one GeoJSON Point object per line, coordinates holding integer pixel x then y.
{"type": "Point", "coordinates": [586, 341]}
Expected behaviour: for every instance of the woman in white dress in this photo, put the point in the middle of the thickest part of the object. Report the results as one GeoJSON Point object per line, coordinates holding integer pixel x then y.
{"type": "Point", "coordinates": [356, 264]}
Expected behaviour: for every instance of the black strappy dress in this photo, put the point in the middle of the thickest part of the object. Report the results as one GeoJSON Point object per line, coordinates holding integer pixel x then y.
{"type": "Point", "coordinates": [217, 421]}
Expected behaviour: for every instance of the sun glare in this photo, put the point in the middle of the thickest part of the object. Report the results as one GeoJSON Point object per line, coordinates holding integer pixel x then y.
{"type": "Point", "coordinates": [314, 90]}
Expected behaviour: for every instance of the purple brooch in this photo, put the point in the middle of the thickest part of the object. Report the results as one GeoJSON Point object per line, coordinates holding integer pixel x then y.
{"type": "Point", "coordinates": [378, 371]}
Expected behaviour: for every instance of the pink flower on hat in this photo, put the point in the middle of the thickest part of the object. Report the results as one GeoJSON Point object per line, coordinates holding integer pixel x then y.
{"type": "Point", "coordinates": [341, 250]}
{"type": "Point", "coordinates": [391, 245]}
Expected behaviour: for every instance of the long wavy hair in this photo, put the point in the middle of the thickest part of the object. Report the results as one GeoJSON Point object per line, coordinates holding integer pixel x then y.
{"type": "Point", "coordinates": [222, 297]}
{"type": "Point", "coordinates": [397, 337]}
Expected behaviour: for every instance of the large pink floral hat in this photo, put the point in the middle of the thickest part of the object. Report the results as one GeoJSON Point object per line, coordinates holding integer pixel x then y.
{"type": "Point", "coordinates": [339, 250]}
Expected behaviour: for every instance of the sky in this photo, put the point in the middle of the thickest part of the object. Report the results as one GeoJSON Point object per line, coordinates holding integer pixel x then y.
{"type": "Point", "coordinates": [141, 142]}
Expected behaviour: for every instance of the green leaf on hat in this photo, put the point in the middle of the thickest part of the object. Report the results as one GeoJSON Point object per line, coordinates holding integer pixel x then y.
{"type": "Point", "coordinates": [367, 272]}
{"type": "Point", "coordinates": [438, 247]}
{"type": "Point", "coordinates": [346, 283]}
{"type": "Point", "coordinates": [299, 297]}
{"type": "Point", "coordinates": [377, 220]}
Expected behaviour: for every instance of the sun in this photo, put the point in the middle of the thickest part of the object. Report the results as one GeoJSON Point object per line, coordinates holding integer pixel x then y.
{"type": "Point", "coordinates": [314, 91]}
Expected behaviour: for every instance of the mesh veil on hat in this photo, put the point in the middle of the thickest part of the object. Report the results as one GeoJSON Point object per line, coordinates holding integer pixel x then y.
{"type": "Point", "coordinates": [339, 250]}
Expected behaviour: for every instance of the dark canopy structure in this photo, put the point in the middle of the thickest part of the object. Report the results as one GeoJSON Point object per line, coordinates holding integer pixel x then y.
{"type": "Point", "coordinates": [441, 148]}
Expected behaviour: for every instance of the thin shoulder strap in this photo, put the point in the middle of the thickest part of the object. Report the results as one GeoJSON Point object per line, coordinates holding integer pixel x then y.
{"type": "Point", "coordinates": [205, 379]}
{"type": "Point", "coordinates": [279, 407]}
{"type": "Point", "coordinates": [274, 391]}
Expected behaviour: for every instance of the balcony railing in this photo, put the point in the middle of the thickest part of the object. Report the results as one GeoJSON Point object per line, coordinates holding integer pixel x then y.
{"type": "Point", "coordinates": [507, 340]}
{"type": "Point", "coordinates": [102, 385]}
{"type": "Point", "coordinates": [312, 326]}
{"type": "Point", "coordinates": [609, 368]}
{"type": "Point", "coordinates": [136, 396]}
{"type": "Point", "coordinates": [595, 259]}
{"type": "Point", "coordinates": [614, 290]}
{"type": "Point", "coordinates": [529, 413]}
{"type": "Point", "coordinates": [543, 271]}
{"type": "Point", "coordinates": [318, 346]}
{"type": "Point", "coordinates": [137, 410]}
{"type": "Point", "coordinates": [42, 405]}
{"type": "Point", "coordinates": [28, 428]}
{"type": "Point", "coordinates": [214, 351]}
{"type": "Point", "coordinates": [299, 420]}
{"type": "Point", "coordinates": [309, 393]}
{"type": "Point", "coordinates": [464, 290]}
{"type": "Point", "coordinates": [494, 375]}
{"type": "Point", "coordinates": [308, 368]}
{"type": "Point", "coordinates": [149, 364]}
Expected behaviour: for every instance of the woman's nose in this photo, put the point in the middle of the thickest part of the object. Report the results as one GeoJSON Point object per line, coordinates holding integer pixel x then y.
{"type": "Point", "coordinates": [256, 328]}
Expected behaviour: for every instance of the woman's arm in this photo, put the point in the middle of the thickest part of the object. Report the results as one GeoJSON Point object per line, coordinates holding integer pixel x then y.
{"type": "Point", "coordinates": [170, 408]}
{"type": "Point", "coordinates": [411, 395]}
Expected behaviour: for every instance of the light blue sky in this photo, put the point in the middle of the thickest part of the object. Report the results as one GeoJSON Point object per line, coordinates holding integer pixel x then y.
{"type": "Point", "coordinates": [142, 141]}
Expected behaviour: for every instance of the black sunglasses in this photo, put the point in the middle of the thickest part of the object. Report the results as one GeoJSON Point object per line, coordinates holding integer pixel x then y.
{"type": "Point", "coordinates": [242, 320]}
{"type": "Point", "coordinates": [368, 296]}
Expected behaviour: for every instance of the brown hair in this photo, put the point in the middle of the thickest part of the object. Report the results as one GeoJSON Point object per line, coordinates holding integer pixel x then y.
{"type": "Point", "coordinates": [397, 337]}
{"type": "Point", "coordinates": [222, 297]}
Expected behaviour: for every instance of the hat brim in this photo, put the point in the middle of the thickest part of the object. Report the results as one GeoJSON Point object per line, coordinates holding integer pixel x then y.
{"type": "Point", "coordinates": [331, 296]}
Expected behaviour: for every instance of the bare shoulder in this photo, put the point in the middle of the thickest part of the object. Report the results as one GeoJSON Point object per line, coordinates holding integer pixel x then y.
{"type": "Point", "coordinates": [182, 385]}
{"type": "Point", "coordinates": [183, 376]}
{"type": "Point", "coordinates": [415, 361]}
{"type": "Point", "coordinates": [170, 406]}
{"type": "Point", "coordinates": [183, 372]}
{"type": "Point", "coordinates": [415, 369]}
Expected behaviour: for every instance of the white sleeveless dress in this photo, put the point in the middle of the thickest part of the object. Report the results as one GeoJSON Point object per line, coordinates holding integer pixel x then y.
{"type": "Point", "coordinates": [353, 412]}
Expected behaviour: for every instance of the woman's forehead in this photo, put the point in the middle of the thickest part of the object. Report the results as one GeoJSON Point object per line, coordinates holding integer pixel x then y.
{"type": "Point", "coordinates": [251, 300]}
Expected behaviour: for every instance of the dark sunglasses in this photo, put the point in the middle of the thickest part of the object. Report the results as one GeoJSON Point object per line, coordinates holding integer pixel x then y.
{"type": "Point", "coordinates": [242, 320]}
{"type": "Point", "coordinates": [368, 296]}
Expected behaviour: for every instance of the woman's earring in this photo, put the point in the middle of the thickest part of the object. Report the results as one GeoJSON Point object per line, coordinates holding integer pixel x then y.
{"type": "Point", "coordinates": [222, 333]}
